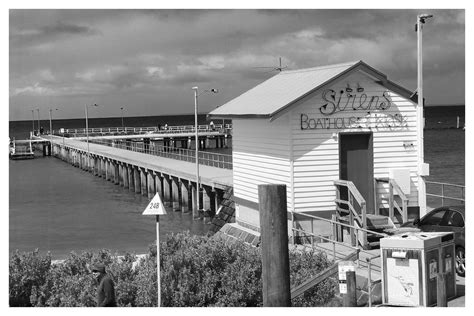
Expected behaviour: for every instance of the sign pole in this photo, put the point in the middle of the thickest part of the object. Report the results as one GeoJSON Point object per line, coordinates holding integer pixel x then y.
{"type": "Point", "coordinates": [158, 275]}
{"type": "Point", "coordinates": [156, 208]}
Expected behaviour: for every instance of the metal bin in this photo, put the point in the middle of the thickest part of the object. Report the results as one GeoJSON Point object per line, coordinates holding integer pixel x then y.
{"type": "Point", "coordinates": [410, 265]}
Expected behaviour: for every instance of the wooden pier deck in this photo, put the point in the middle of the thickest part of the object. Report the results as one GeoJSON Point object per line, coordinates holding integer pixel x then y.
{"type": "Point", "coordinates": [210, 176]}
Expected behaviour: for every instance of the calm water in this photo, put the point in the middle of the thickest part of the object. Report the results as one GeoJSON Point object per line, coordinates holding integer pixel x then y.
{"type": "Point", "coordinates": [56, 207]}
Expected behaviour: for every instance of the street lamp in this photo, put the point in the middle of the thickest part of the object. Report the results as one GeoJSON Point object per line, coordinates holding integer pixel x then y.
{"type": "Point", "coordinates": [51, 121]}
{"type": "Point", "coordinates": [33, 120]}
{"type": "Point", "coordinates": [121, 110]}
{"type": "Point", "coordinates": [420, 20]}
{"type": "Point", "coordinates": [39, 128]}
{"type": "Point", "coordinates": [87, 136]}
{"type": "Point", "coordinates": [196, 95]}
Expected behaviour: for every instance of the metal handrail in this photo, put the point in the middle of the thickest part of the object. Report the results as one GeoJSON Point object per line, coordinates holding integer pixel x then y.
{"type": "Point", "coordinates": [369, 277]}
{"type": "Point", "coordinates": [313, 235]}
{"type": "Point", "coordinates": [353, 192]}
{"type": "Point", "coordinates": [139, 130]}
{"type": "Point", "coordinates": [342, 224]}
{"type": "Point", "coordinates": [403, 210]}
{"type": "Point", "coordinates": [443, 196]}
{"type": "Point", "coordinates": [205, 158]}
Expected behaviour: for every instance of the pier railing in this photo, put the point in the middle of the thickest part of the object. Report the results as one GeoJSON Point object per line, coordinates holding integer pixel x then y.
{"type": "Point", "coordinates": [206, 158]}
{"type": "Point", "coordinates": [223, 128]}
{"type": "Point", "coordinates": [437, 192]}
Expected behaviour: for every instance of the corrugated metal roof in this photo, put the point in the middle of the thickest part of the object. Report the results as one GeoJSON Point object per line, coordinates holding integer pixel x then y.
{"type": "Point", "coordinates": [280, 91]}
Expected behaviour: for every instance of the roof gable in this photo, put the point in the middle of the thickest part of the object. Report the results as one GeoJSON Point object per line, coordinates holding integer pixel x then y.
{"type": "Point", "coordinates": [274, 96]}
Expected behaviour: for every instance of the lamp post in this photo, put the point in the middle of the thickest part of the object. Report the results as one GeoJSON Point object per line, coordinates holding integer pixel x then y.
{"type": "Point", "coordinates": [51, 121]}
{"type": "Point", "coordinates": [196, 95]}
{"type": "Point", "coordinates": [39, 126]}
{"type": "Point", "coordinates": [33, 120]}
{"type": "Point", "coordinates": [87, 136]}
{"type": "Point", "coordinates": [121, 111]}
{"type": "Point", "coordinates": [421, 18]}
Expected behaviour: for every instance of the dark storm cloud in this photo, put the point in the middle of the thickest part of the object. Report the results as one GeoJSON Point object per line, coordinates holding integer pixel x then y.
{"type": "Point", "coordinates": [62, 28]}
{"type": "Point", "coordinates": [140, 52]}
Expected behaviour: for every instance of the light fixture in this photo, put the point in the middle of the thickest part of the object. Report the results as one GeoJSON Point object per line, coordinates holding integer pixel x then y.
{"type": "Point", "coordinates": [348, 88]}
{"type": "Point", "coordinates": [359, 88]}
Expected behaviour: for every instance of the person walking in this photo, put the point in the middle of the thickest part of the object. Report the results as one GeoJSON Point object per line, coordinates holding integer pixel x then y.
{"type": "Point", "coordinates": [106, 288]}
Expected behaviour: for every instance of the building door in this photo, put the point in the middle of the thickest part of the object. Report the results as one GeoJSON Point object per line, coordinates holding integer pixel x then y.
{"type": "Point", "coordinates": [356, 164]}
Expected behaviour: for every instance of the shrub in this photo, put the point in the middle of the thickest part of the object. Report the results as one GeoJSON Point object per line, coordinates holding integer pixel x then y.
{"type": "Point", "coordinates": [195, 271]}
{"type": "Point", "coordinates": [28, 271]}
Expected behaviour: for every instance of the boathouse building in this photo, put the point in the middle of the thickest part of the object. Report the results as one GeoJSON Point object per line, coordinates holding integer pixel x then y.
{"type": "Point", "coordinates": [310, 128]}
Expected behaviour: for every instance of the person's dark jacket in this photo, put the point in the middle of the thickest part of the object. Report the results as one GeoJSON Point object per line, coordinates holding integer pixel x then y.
{"type": "Point", "coordinates": [106, 292]}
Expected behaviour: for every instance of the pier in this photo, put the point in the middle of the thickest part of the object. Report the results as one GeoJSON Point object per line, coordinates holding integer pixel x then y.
{"type": "Point", "coordinates": [136, 161]}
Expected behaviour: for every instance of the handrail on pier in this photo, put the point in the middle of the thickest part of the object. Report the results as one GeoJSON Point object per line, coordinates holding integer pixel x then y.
{"type": "Point", "coordinates": [222, 128]}
{"type": "Point", "coordinates": [206, 158]}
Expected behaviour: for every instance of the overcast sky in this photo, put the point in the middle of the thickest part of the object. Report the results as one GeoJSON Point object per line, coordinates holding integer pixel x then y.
{"type": "Point", "coordinates": [147, 61]}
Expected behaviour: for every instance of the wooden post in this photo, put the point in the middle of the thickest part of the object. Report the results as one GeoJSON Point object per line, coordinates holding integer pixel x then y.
{"type": "Point", "coordinates": [274, 244]}
{"type": "Point", "coordinates": [350, 298]}
{"type": "Point", "coordinates": [143, 181]}
{"type": "Point", "coordinates": [159, 184]}
{"type": "Point", "coordinates": [441, 291]}
{"type": "Point", "coordinates": [116, 172]}
{"type": "Point", "coordinates": [151, 184]}
{"type": "Point", "coordinates": [131, 179]}
{"type": "Point", "coordinates": [126, 180]}
{"type": "Point", "coordinates": [167, 191]}
{"type": "Point", "coordinates": [184, 196]}
{"type": "Point", "coordinates": [175, 193]}
{"type": "Point", "coordinates": [137, 180]}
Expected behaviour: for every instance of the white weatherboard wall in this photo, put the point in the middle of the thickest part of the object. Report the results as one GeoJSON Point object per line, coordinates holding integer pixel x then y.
{"type": "Point", "coordinates": [261, 155]}
{"type": "Point", "coordinates": [316, 151]}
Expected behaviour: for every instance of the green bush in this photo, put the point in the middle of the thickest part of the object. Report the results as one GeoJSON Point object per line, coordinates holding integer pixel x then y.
{"type": "Point", "coordinates": [28, 271]}
{"type": "Point", "coordinates": [195, 271]}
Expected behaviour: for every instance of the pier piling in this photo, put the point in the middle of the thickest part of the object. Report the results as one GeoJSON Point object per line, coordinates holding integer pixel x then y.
{"type": "Point", "coordinates": [274, 245]}
{"type": "Point", "coordinates": [137, 180]}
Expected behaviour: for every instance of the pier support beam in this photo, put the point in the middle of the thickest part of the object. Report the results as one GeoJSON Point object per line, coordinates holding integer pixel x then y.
{"type": "Point", "coordinates": [151, 184]}
{"type": "Point", "coordinates": [104, 167]}
{"type": "Point", "coordinates": [185, 206]}
{"type": "Point", "coordinates": [96, 166]}
{"type": "Point", "coordinates": [143, 181]}
{"type": "Point", "coordinates": [131, 179]}
{"type": "Point", "coordinates": [107, 170]}
{"type": "Point", "coordinates": [137, 180]}
{"type": "Point", "coordinates": [218, 196]}
{"type": "Point", "coordinates": [195, 207]}
{"type": "Point", "coordinates": [166, 190]}
{"type": "Point", "coordinates": [126, 180]}
{"type": "Point", "coordinates": [159, 184]}
{"type": "Point", "coordinates": [116, 172]}
{"type": "Point", "coordinates": [175, 193]}
{"type": "Point", "coordinates": [99, 166]}
{"type": "Point", "coordinates": [120, 168]}
{"type": "Point", "coordinates": [206, 198]}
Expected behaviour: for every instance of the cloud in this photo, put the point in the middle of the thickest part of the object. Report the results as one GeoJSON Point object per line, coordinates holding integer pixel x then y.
{"type": "Point", "coordinates": [139, 52]}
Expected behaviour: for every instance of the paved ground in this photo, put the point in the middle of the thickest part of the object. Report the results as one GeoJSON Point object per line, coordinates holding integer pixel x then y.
{"type": "Point", "coordinates": [461, 292]}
